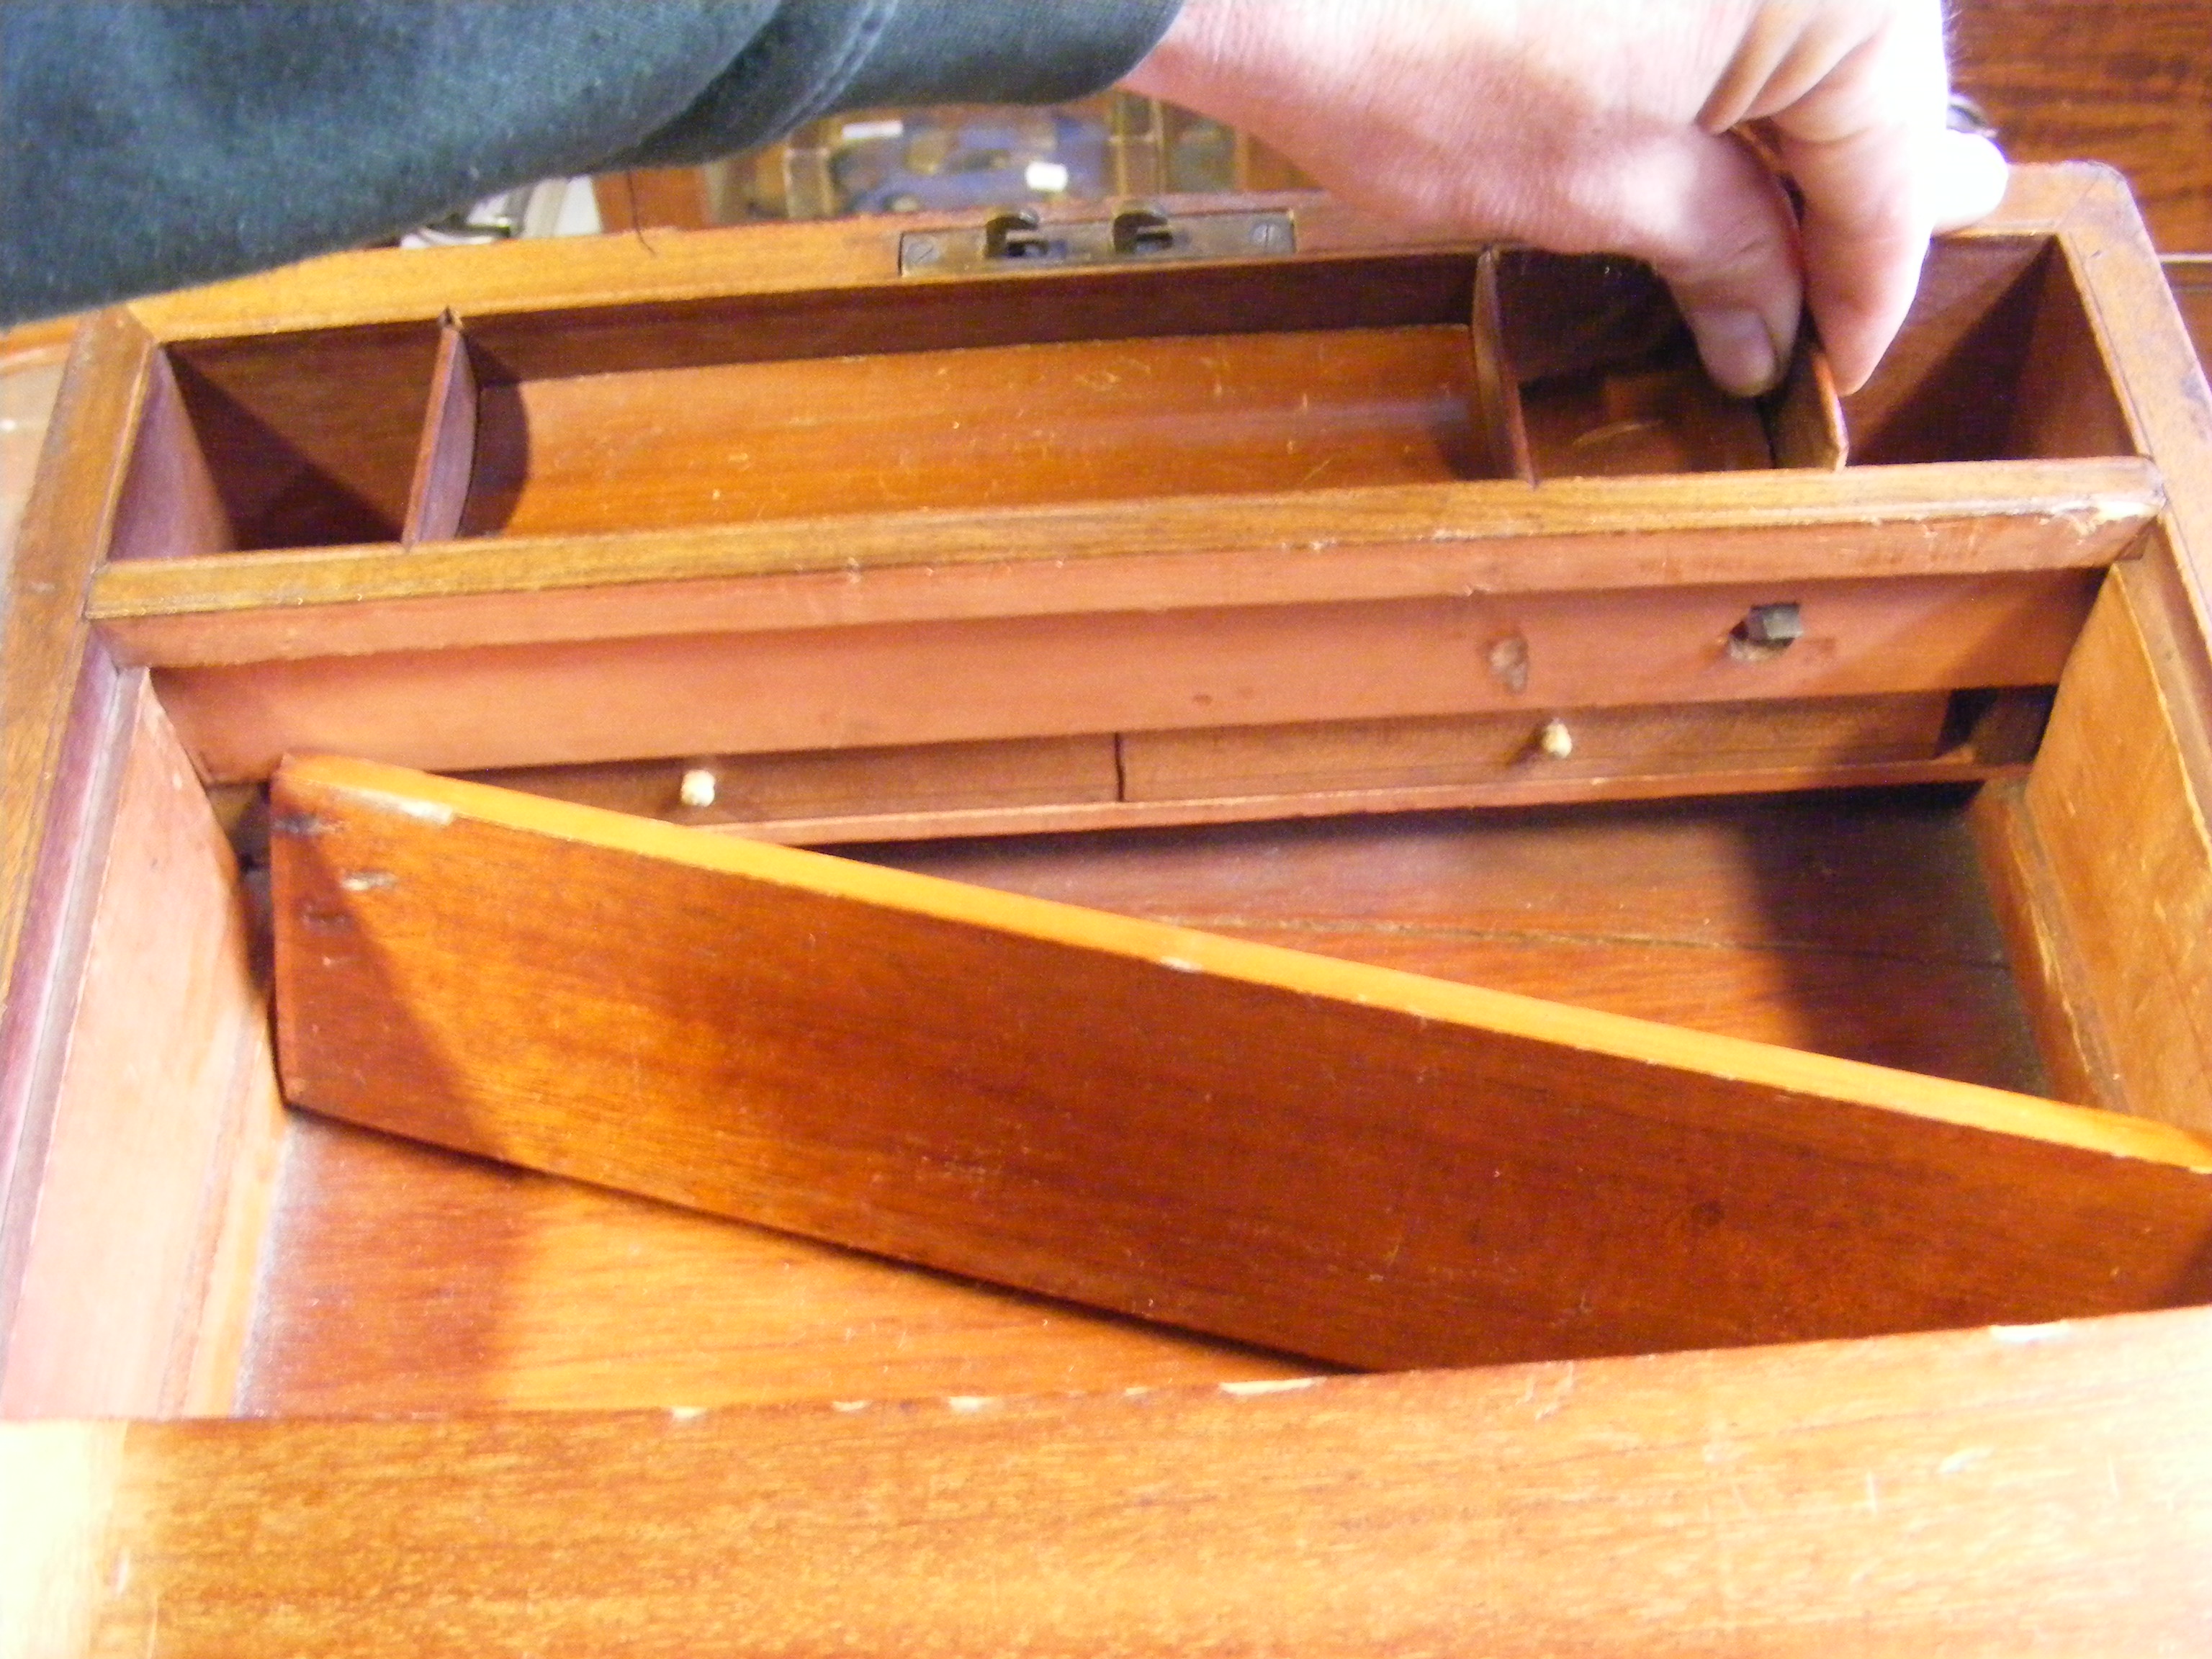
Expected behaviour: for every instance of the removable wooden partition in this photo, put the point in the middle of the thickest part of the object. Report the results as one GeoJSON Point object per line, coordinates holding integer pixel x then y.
{"type": "Point", "coordinates": [1368, 1167]}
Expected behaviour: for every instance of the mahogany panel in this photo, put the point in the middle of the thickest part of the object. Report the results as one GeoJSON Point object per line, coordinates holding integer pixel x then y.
{"type": "Point", "coordinates": [741, 323]}
{"type": "Point", "coordinates": [446, 457]}
{"type": "Point", "coordinates": [1598, 743]}
{"type": "Point", "coordinates": [752, 788]}
{"type": "Point", "coordinates": [134, 1289]}
{"type": "Point", "coordinates": [1996, 360]}
{"type": "Point", "coordinates": [1498, 1177]}
{"type": "Point", "coordinates": [402, 1278]}
{"type": "Point", "coordinates": [2112, 801]}
{"type": "Point", "coordinates": [1853, 925]}
{"type": "Point", "coordinates": [1056, 676]}
{"type": "Point", "coordinates": [988, 427]}
{"type": "Point", "coordinates": [405, 1279]}
{"type": "Point", "coordinates": [1956, 1494]}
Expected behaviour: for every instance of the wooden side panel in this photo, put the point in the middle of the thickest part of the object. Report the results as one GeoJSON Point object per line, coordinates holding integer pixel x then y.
{"type": "Point", "coordinates": [2112, 799]}
{"type": "Point", "coordinates": [1058, 675]}
{"type": "Point", "coordinates": [171, 507]}
{"type": "Point", "coordinates": [403, 1280]}
{"type": "Point", "coordinates": [134, 1295]}
{"type": "Point", "coordinates": [1372, 1169]}
{"type": "Point", "coordinates": [59, 542]}
{"type": "Point", "coordinates": [1963, 1495]}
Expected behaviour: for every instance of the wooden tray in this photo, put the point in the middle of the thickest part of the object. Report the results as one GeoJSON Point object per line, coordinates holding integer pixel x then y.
{"type": "Point", "coordinates": [882, 547]}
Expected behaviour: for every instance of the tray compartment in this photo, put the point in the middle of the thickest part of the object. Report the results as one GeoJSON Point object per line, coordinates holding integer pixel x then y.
{"type": "Point", "coordinates": [286, 441]}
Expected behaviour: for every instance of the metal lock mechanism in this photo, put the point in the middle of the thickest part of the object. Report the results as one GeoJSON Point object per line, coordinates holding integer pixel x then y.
{"type": "Point", "coordinates": [1020, 239]}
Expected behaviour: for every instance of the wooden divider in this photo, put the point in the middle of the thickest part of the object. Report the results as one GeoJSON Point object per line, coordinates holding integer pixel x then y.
{"type": "Point", "coordinates": [1366, 1167]}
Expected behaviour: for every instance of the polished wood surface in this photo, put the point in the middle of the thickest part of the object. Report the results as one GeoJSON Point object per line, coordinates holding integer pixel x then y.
{"type": "Point", "coordinates": [1059, 676]}
{"type": "Point", "coordinates": [138, 1268]}
{"type": "Point", "coordinates": [1326, 767]}
{"type": "Point", "coordinates": [1571, 536]}
{"type": "Point", "coordinates": [2112, 802]}
{"type": "Point", "coordinates": [987, 426]}
{"type": "Point", "coordinates": [2097, 1531]}
{"type": "Point", "coordinates": [402, 1278]}
{"type": "Point", "coordinates": [1946, 1497]}
{"type": "Point", "coordinates": [1373, 1169]}
{"type": "Point", "coordinates": [2127, 83]}
{"type": "Point", "coordinates": [309, 438]}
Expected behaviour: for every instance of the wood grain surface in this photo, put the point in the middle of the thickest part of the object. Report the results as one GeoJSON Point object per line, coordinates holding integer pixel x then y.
{"type": "Point", "coordinates": [1501, 538]}
{"type": "Point", "coordinates": [406, 1280]}
{"type": "Point", "coordinates": [1138, 1130]}
{"type": "Point", "coordinates": [1073, 675]}
{"type": "Point", "coordinates": [1974, 1493]}
{"type": "Point", "coordinates": [1315, 769]}
{"type": "Point", "coordinates": [985, 427]}
{"type": "Point", "coordinates": [310, 437]}
{"type": "Point", "coordinates": [136, 1284]}
{"type": "Point", "coordinates": [2129, 859]}
{"type": "Point", "coordinates": [2128, 84]}
{"type": "Point", "coordinates": [402, 1278]}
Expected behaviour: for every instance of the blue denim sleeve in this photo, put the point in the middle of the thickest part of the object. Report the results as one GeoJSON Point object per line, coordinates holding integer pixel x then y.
{"type": "Point", "coordinates": [146, 144]}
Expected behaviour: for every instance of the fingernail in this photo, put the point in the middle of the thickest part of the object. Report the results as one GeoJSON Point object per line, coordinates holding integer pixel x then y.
{"type": "Point", "coordinates": [1738, 352]}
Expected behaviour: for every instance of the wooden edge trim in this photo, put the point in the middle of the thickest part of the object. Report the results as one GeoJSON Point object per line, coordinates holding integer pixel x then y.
{"type": "Point", "coordinates": [2157, 377]}
{"type": "Point", "coordinates": [947, 823]}
{"type": "Point", "coordinates": [343, 289]}
{"type": "Point", "coordinates": [38, 1018]}
{"type": "Point", "coordinates": [1575, 535]}
{"type": "Point", "coordinates": [58, 544]}
{"type": "Point", "coordinates": [440, 801]}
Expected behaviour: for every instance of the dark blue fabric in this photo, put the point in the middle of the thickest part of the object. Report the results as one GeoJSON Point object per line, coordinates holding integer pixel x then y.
{"type": "Point", "coordinates": [146, 144]}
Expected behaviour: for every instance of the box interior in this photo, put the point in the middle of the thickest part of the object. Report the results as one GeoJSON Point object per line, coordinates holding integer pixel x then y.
{"type": "Point", "coordinates": [399, 1278]}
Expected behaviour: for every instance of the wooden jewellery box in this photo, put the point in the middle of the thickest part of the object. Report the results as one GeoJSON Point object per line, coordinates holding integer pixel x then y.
{"type": "Point", "coordinates": [1727, 1169]}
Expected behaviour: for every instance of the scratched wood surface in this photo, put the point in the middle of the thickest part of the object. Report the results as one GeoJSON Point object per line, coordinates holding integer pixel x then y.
{"type": "Point", "coordinates": [1955, 1496]}
{"type": "Point", "coordinates": [1371, 1169]}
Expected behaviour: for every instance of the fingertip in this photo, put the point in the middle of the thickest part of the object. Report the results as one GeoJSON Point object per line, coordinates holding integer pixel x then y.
{"type": "Point", "coordinates": [1739, 351]}
{"type": "Point", "coordinates": [1967, 177]}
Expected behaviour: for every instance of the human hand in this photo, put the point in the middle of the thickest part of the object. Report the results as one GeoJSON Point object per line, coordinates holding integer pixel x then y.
{"type": "Point", "coordinates": [1611, 125]}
